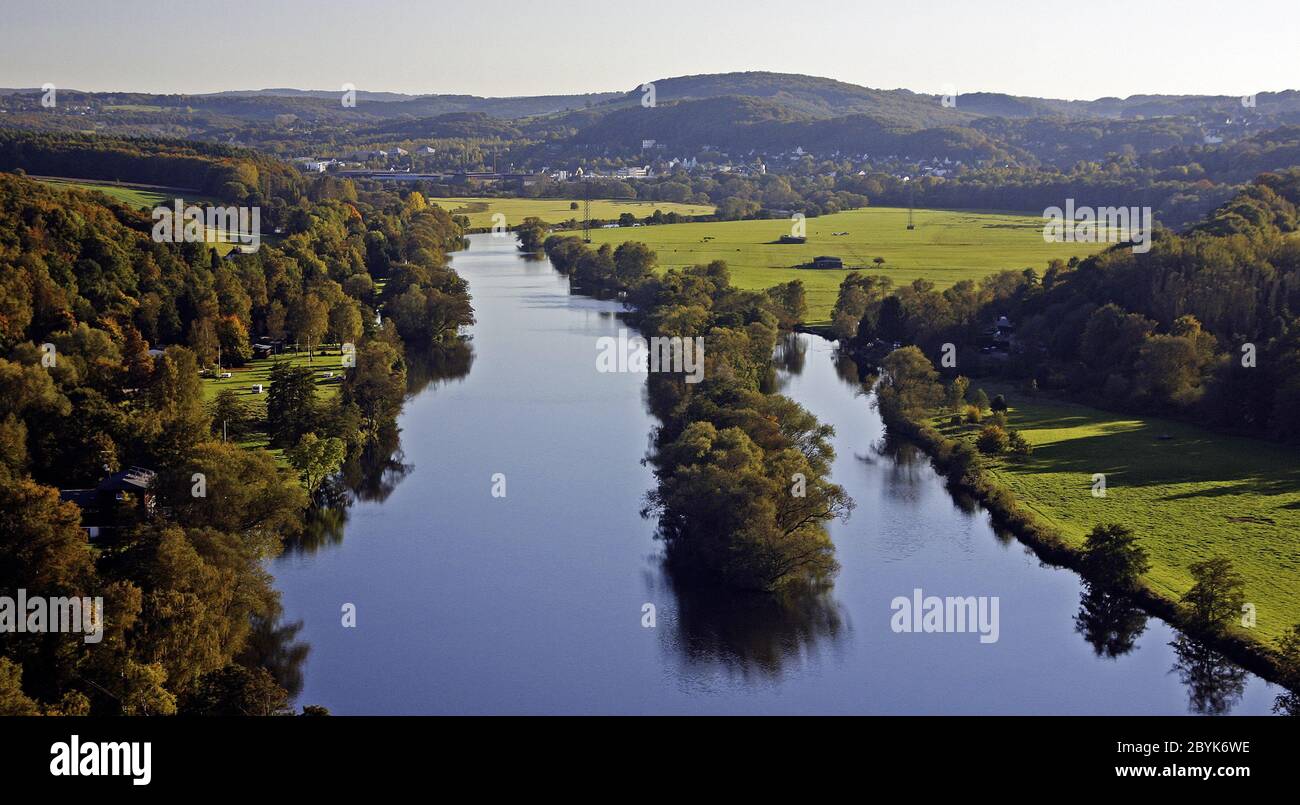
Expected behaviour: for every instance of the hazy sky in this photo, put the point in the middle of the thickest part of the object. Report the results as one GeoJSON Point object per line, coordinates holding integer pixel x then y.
{"type": "Point", "coordinates": [527, 47]}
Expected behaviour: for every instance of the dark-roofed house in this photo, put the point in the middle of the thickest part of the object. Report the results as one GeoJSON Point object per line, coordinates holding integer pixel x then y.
{"type": "Point", "coordinates": [999, 339]}
{"type": "Point", "coordinates": [132, 481]}
{"type": "Point", "coordinates": [826, 262]}
{"type": "Point", "coordinates": [100, 507]}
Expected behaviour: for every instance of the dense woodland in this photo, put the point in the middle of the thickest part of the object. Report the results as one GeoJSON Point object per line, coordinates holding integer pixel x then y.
{"type": "Point", "coordinates": [191, 616]}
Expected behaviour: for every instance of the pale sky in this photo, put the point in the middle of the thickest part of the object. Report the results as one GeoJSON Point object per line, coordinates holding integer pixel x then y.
{"type": "Point", "coordinates": [536, 47]}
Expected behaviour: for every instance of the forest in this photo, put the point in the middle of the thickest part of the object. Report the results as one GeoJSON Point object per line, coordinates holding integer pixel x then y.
{"type": "Point", "coordinates": [105, 337]}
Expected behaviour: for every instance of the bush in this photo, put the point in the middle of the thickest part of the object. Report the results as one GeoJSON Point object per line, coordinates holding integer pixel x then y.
{"type": "Point", "coordinates": [999, 403]}
{"type": "Point", "coordinates": [1019, 445]}
{"type": "Point", "coordinates": [979, 399]}
{"type": "Point", "coordinates": [992, 440]}
{"type": "Point", "coordinates": [999, 418]}
{"type": "Point", "coordinates": [961, 460]}
{"type": "Point", "coordinates": [973, 414]}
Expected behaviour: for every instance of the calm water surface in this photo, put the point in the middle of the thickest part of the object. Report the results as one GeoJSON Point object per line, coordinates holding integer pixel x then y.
{"type": "Point", "coordinates": [531, 603]}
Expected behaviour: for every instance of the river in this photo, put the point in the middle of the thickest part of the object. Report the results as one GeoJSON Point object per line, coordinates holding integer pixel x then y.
{"type": "Point", "coordinates": [472, 601]}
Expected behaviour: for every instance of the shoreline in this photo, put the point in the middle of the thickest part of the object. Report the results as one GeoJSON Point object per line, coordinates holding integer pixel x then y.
{"type": "Point", "coordinates": [1047, 544]}
{"type": "Point", "coordinates": [1008, 514]}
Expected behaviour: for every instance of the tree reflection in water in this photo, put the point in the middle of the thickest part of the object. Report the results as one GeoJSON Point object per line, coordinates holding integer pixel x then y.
{"type": "Point", "coordinates": [274, 647]}
{"type": "Point", "coordinates": [750, 635]}
{"type": "Point", "coordinates": [438, 365]}
{"type": "Point", "coordinates": [790, 354]}
{"type": "Point", "coordinates": [372, 473]}
{"type": "Point", "coordinates": [1287, 703]}
{"type": "Point", "coordinates": [848, 370]}
{"type": "Point", "coordinates": [324, 521]}
{"type": "Point", "coordinates": [1214, 683]}
{"type": "Point", "coordinates": [1110, 623]}
{"type": "Point", "coordinates": [908, 468]}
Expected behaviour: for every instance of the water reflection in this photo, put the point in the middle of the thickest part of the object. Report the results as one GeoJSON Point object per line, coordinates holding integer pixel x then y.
{"type": "Point", "coordinates": [750, 636]}
{"type": "Point", "coordinates": [1287, 703]}
{"type": "Point", "coordinates": [433, 367]}
{"type": "Point", "coordinates": [324, 521]}
{"type": "Point", "coordinates": [790, 354]}
{"type": "Point", "coordinates": [908, 468]}
{"type": "Point", "coordinates": [1110, 623]}
{"type": "Point", "coordinates": [274, 646]}
{"type": "Point", "coordinates": [747, 634]}
{"type": "Point", "coordinates": [1214, 683]}
{"type": "Point", "coordinates": [372, 473]}
{"type": "Point", "coordinates": [531, 604]}
{"type": "Point", "coordinates": [848, 370]}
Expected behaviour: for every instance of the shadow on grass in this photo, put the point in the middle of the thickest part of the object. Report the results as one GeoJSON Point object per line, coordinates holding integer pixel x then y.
{"type": "Point", "coordinates": [1138, 457]}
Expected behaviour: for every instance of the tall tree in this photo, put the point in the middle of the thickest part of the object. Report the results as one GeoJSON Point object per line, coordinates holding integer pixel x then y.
{"type": "Point", "coordinates": [1216, 596]}
{"type": "Point", "coordinates": [291, 408]}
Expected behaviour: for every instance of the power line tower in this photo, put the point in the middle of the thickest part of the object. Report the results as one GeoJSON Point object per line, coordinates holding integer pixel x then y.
{"type": "Point", "coordinates": [586, 211]}
{"type": "Point", "coordinates": [911, 199]}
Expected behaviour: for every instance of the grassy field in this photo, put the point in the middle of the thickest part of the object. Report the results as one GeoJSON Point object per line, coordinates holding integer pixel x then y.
{"type": "Point", "coordinates": [133, 107]}
{"type": "Point", "coordinates": [138, 195]}
{"type": "Point", "coordinates": [1188, 497]}
{"type": "Point", "coordinates": [134, 196]}
{"type": "Point", "coordinates": [243, 378]}
{"type": "Point", "coordinates": [556, 210]}
{"type": "Point", "coordinates": [946, 247]}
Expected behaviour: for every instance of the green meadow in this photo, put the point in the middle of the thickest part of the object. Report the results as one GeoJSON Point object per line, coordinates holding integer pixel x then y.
{"type": "Point", "coordinates": [243, 378]}
{"type": "Point", "coordinates": [557, 210]}
{"type": "Point", "coordinates": [136, 196]}
{"type": "Point", "coordinates": [1188, 494]}
{"type": "Point", "coordinates": [133, 107]}
{"type": "Point", "coordinates": [946, 246]}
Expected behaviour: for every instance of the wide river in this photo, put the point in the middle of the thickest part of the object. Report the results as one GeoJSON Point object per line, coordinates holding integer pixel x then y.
{"type": "Point", "coordinates": [532, 601]}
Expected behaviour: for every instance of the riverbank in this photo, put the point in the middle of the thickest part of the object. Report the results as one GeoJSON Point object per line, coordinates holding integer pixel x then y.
{"type": "Point", "coordinates": [967, 474]}
{"type": "Point", "coordinates": [1188, 492]}
{"type": "Point", "coordinates": [536, 601]}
